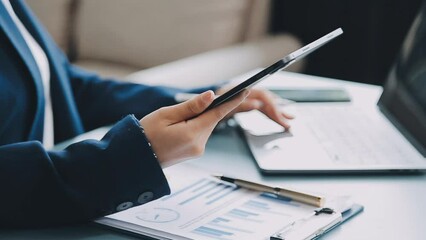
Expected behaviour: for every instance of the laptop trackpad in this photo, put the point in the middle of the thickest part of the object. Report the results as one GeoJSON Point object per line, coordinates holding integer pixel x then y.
{"type": "Point", "coordinates": [291, 150]}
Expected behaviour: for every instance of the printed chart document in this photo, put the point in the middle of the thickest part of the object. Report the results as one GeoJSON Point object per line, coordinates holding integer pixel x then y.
{"type": "Point", "coordinates": [202, 207]}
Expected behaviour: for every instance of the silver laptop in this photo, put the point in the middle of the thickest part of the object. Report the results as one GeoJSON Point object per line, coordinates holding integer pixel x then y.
{"type": "Point", "coordinates": [339, 137]}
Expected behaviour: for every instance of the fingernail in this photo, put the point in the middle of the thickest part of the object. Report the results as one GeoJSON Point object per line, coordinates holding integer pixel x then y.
{"type": "Point", "coordinates": [207, 96]}
{"type": "Point", "coordinates": [284, 123]}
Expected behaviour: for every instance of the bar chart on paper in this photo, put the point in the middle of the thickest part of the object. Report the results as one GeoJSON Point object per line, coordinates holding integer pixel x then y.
{"type": "Point", "coordinates": [205, 208]}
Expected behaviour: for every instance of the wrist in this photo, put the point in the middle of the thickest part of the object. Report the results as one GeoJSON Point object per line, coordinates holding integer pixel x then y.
{"type": "Point", "coordinates": [147, 140]}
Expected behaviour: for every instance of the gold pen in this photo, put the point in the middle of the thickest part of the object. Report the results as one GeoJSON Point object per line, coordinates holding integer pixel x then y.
{"type": "Point", "coordinates": [297, 196]}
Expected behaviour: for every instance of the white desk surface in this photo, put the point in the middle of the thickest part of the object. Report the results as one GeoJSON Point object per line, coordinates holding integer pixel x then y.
{"type": "Point", "coordinates": [395, 204]}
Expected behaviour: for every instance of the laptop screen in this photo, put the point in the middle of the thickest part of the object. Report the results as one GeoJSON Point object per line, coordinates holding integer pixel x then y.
{"type": "Point", "coordinates": [404, 96]}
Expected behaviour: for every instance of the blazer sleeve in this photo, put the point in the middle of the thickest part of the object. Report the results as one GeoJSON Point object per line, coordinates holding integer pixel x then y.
{"type": "Point", "coordinates": [89, 179]}
{"type": "Point", "coordinates": [101, 102]}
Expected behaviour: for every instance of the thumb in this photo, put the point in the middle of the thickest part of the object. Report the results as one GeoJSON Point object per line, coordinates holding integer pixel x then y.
{"type": "Point", "coordinates": [213, 116]}
{"type": "Point", "coordinates": [193, 107]}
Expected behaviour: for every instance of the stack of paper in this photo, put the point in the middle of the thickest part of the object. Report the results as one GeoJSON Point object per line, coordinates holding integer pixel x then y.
{"type": "Point", "coordinates": [202, 207]}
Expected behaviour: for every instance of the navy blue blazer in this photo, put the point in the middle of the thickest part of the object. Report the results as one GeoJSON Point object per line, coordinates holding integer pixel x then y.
{"type": "Point", "coordinates": [91, 178]}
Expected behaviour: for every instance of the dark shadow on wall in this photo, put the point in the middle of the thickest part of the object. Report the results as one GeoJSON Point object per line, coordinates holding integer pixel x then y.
{"type": "Point", "coordinates": [374, 31]}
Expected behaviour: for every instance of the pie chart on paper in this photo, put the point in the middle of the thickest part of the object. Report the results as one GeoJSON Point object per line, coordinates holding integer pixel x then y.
{"type": "Point", "coordinates": [158, 215]}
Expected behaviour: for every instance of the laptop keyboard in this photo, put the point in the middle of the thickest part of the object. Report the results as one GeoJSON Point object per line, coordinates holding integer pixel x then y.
{"type": "Point", "coordinates": [349, 136]}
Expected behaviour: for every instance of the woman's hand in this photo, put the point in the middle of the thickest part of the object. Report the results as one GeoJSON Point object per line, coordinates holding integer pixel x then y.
{"type": "Point", "coordinates": [178, 132]}
{"type": "Point", "coordinates": [264, 101]}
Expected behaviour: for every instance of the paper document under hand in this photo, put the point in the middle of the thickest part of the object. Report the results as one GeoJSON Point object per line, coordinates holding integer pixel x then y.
{"type": "Point", "coordinates": [203, 207]}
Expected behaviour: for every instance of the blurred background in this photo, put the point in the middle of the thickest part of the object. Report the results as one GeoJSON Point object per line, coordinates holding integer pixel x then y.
{"type": "Point", "coordinates": [374, 31]}
{"type": "Point", "coordinates": [191, 43]}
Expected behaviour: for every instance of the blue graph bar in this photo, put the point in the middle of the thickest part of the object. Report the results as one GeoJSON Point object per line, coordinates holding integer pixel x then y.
{"type": "Point", "coordinates": [242, 213]}
{"type": "Point", "coordinates": [183, 189]}
{"type": "Point", "coordinates": [202, 186]}
{"type": "Point", "coordinates": [221, 196]}
{"type": "Point", "coordinates": [223, 188]}
{"type": "Point", "coordinates": [238, 214]}
{"type": "Point", "coordinates": [278, 199]}
{"type": "Point", "coordinates": [198, 195]}
{"type": "Point", "coordinates": [212, 231]}
{"type": "Point", "coordinates": [243, 218]}
{"type": "Point", "coordinates": [256, 204]}
{"type": "Point", "coordinates": [230, 228]}
{"type": "Point", "coordinates": [264, 207]}
{"type": "Point", "coordinates": [220, 219]}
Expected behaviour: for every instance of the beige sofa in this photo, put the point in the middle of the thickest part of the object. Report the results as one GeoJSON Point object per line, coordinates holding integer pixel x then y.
{"type": "Point", "coordinates": [185, 43]}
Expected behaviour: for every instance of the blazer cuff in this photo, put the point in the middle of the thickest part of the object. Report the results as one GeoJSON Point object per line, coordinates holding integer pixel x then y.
{"type": "Point", "coordinates": [143, 168]}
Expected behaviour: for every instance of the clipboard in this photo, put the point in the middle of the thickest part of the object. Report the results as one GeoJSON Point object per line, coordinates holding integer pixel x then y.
{"type": "Point", "coordinates": [203, 207]}
{"type": "Point", "coordinates": [316, 225]}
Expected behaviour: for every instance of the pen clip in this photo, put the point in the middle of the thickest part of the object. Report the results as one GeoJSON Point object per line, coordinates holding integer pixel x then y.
{"type": "Point", "coordinates": [324, 210]}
